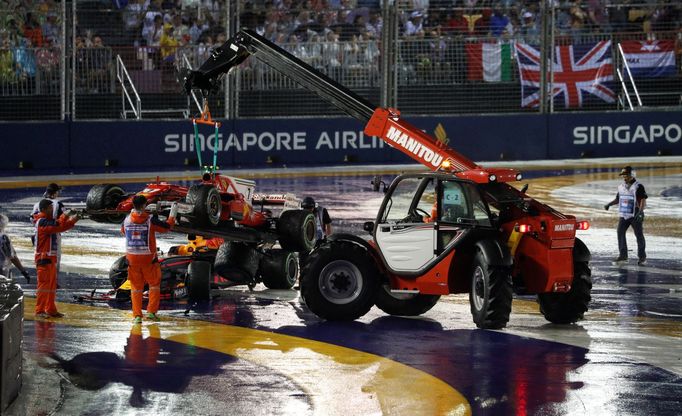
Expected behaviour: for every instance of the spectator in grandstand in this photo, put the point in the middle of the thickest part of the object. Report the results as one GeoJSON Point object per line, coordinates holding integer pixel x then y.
{"type": "Point", "coordinates": [51, 30]}
{"type": "Point", "coordinates": [212, 8]}
{"type": "Point", "coordinates": [631, 200]}
{"type": "Point", "coordinates": [529, 30]}
{"type": "Point", "coordinates": [414, 25]}
{"type": "Point", "coordinates": [98, 62]}
{"type": "Point", "coordinates": [332, 51]}
{"type": "Point", "coordinates": [133, 16]}
{"type": "Point", "coordinates": [47, 58]}
{"type": "Point", "coordinates": [578, 20]}
{"type": "Point", "coordinates": [151, 11]}
{"type": "Point", "coordinates": [153, 34]}
{"type": "Point", "coordinates": [563, 19]}
{"type": "Point", "coordinates": [618, 17]}
{"type": "Point", "coordinates": [46, 7]}
{"type": "Point", "coordinates": [12, 31]}
{"type": "Point", "coordinates": [25, 62]}
{"type": "Point", "coordinates": [598, 15]}
{"type": "Point", "coordinates": [665, 17]}
{"type": "Point", "coordinates": [374, 24]}
{"type": "Point", "coordinates": [203, 50]}
{"type": "Point", "coordinates": [498, 21]}
{"type": "Point", "coordinates": [482, 25]}
{"type": "Point", "coordinates": [456, 24]}
{"type": "Point", "coordinates": [180, 29]}
{"type": "Point", "coordinates": [33, 30]}
{"type": "Point", "coordinates": [168, 44]}
{"type": "Point", "coordinates": [7, 74]}
{"type": "Point", "coordinates": [197, 28]}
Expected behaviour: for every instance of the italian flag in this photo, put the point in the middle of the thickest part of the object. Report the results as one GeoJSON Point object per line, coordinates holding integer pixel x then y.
{"type": "Point", "coordinates": [489, 62]}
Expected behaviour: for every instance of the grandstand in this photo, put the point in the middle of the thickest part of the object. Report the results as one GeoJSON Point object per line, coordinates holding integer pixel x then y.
{"type": "Point", "coordinates": [436, 66]}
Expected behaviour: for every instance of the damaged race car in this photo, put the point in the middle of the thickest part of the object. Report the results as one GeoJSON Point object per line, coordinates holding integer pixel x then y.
{"type": "Point", "coordinates": [193, 269]}
{"type": "Point", "coordinates": [218, 203]}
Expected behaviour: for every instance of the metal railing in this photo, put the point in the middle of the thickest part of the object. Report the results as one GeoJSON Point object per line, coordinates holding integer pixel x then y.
{"type": "Point", "coordinates": [624, 86]}
{"type": "Point", "coordinates": [126, 83]}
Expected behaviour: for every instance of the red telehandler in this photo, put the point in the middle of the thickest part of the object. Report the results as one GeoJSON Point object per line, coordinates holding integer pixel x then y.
{"type": "Point", "coordinates": [458, 228]}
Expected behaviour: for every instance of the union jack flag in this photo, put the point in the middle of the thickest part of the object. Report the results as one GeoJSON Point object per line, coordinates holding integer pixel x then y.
{"type": "Point", "coordinates": [581, 72]}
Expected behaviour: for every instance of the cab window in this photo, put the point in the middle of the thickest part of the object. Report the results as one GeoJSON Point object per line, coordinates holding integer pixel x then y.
{"type": "Point", "coordinates": [462, 203]}
{"type": "Point", "coordinates": [412, 200]}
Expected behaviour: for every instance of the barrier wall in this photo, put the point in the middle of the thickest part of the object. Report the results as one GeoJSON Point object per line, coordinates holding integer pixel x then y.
{"type": "Point", "coordinates": [251, 142]}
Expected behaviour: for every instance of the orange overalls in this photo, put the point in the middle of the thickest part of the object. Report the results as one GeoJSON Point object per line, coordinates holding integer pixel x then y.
{"type": "Point", "coordinates": [143, 266]}
{"type": "Point", "coordinates": [46, 252]}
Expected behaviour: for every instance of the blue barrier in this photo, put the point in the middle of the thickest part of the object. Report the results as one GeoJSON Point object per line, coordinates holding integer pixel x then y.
{"type": "Point", "coordinates": [253, 143]}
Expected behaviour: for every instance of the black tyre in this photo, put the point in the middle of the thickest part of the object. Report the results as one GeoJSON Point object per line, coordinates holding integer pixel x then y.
{"type": "Point", "coordinates": [340, 281]}
{"type": "Point", "coordinates": [279, 269]}
{"type": "Point", "coordinates": [404, 304]}
{"type": "Point", "coordinates": [569, 307]}
{"type": "Point", "coordinates": [237, 262]}
{"type": "Point", "coordinates": [207, 205]}
{"type": "Point", "coordinates": [118, 273]}
{"type": "Point", "coordinates": [490, 296]}
{"type": "Point", "coordinates": [105, 196]}
{"type": "Point", "coordinates": [296, 229]}
{"type": "Point", "coordinates": [198, 283]}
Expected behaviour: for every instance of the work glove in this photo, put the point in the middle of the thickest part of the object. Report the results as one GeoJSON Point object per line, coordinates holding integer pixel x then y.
{"type": "Point", "coordinates": [607, 206]}
{"type": "Point", "coordinates": [26, 276]}
{"type": "Point", "coordinates": [639, 217]}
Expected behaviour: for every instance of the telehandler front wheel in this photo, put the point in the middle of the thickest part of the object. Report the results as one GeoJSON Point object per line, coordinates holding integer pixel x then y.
{"type": "Point", "coordinates": [490, 296]}
{"type": "Point", "coordinates": [339, 281]}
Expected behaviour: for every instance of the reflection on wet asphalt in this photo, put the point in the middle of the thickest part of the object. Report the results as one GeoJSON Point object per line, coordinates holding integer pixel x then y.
{"type": "Point", "coordinates": [262, 352]}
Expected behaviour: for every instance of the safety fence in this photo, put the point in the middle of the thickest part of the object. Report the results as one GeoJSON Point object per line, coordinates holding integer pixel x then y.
{"type": "Point", "coordinates": [438, 61]}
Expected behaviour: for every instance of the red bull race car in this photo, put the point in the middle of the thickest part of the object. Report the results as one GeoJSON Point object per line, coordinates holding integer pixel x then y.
{"type": "Point", "coordinates": [192, 270]}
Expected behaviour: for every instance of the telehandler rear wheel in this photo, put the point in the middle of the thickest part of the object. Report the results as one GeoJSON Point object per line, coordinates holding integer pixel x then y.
{"type": "Point", "coordinates": [409, 304]}
{"type": "Point", "coordinates": [569, 307]}
{"type": "Point", "coordinates": [490, 296]}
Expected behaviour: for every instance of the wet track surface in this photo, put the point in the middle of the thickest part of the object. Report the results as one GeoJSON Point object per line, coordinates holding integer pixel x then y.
{"type": "Point", "coordinates": [262, 352]}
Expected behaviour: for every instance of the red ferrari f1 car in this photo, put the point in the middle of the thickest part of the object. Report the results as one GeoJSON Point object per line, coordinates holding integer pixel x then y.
{"type": "Point", "coordinates": [218, 206]}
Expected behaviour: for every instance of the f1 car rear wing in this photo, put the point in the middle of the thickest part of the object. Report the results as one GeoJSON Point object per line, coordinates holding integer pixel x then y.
{"type": "Point", "coordinates": [380, 122]}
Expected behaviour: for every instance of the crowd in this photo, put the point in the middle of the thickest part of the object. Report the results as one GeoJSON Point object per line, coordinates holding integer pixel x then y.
{"type": "Point", "coordinates": [163, 27]}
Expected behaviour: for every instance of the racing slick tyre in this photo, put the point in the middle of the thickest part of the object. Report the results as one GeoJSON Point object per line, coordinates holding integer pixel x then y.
{"type": "Point", "coordinates": [105, 196]}
{"type": "Point", "coordinates": [297, 230]}
{"type": "Point", "coordinates": [118, 273]}
{"type": "Point", "coordinates": [279, 269]}
{"type": "Point", "coordinates": [404, 304]}
{"type": "Point", "coordinates": [569, 307]}
{"type": "Point", "coordinates": [340, 281]}
{"type": "Point", "coordinates": [207, 205]}
{"type": "Point", "coordinates": [490, 296]}
{"type": "Point", "coordinates": [236, 262]}
{"type": "Point", "coordinates": [199, 280]}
